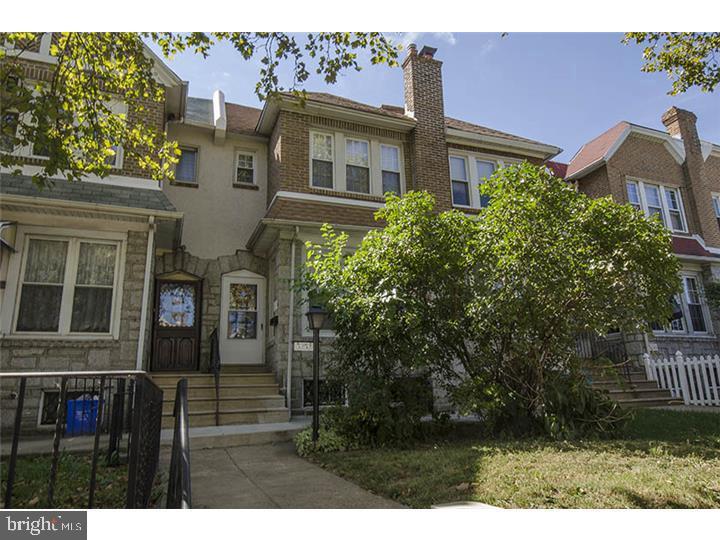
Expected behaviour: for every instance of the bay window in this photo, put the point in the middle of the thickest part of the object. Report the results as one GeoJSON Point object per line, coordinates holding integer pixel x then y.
{"type": "Point", "coordinates": [658, 200]}
{"type": "Point", "coordinates": [357, 165]}
{"type": "Point", "coordinates": [460, 182]}
{"type": "Point", "coordinates": [322, 160]}
{"type": "Point", "coordinates": [390, 166]}
{"type": "Point", "coordinates": [690, 314]}
{"type": "Point", "coordinates": [67, 286]}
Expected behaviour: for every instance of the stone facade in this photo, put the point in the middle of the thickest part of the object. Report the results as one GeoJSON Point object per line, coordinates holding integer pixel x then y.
{"type": "Point", "coordinates": [210, 271]}
{"type": "Point", "coordinates": [29, 354]}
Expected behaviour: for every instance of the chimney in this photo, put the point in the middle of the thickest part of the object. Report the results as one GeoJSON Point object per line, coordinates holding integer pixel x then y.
{"type": "Point", "coordinates": [424, 102]}
{"type": "Point", "coordinates": [681, 124]}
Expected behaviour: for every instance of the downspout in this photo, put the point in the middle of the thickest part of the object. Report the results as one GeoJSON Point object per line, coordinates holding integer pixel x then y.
{"type": "Point", "coordinates": [291, 313]}
{"type": "Point", "coordinates": [146, 292]}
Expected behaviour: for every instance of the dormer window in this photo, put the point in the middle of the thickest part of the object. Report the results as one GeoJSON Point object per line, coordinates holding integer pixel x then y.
{"type": "Point", "coordinates": [245, 168]}
{"type": "Point", "coordinates": [322, 160]}
{"type": "Point", "coordinates": [357, 165]}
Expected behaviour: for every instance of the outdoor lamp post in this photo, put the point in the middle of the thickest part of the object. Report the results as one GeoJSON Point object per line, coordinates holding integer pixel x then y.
{"type": "Point", "coordinates": [316, 320]}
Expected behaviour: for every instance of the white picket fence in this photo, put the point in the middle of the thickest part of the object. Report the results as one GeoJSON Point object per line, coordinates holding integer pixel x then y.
{"type": "Point", "coordinates": [695, 380]}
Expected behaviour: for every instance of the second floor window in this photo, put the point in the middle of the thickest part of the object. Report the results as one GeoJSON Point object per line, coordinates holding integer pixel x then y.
{"type": "Point", "coordinates": [485, 169]}
{"type": "Point", "coordinates": [390, 158]}
{"type": "Point", "coordinates": [322, 160]}
{"type": "Point", "coordinates": [245, 168]}
{"type": "Point", "coordinates": [8, 130]}
{"type": "Point", "coordinates": [460, 183]}
{"type": "Point", "coordinates": [186, 169]}
{"type": "Point", "coordinates": [357, 165]}
{"type": "Point", "coordinates": [656, 200]}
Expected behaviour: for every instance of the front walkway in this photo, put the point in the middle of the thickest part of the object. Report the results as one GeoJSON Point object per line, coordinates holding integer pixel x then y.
{"type": "Point", "coordinates": [271, 476]}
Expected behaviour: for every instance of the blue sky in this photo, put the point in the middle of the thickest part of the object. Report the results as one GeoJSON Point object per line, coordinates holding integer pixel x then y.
{"type": "Point", "coordinates": [562, 89]}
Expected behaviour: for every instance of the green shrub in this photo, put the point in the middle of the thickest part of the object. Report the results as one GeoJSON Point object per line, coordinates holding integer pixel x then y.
{"type": "Point", "coordinates": [328, 441]}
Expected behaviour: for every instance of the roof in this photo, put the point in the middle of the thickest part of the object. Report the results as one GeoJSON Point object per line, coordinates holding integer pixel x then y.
{"type": "Point", "coordinates": [596, 150]}
{"type": "Point", "coordinates": [242, 119]}
{"type": "Point", "coordinates": [557, 168]}
{"type": "Point", "coordinates": [88, 192]}
{"type": "Point", "coordinates": [689, 246]}
{"type": "Point", "coordinates": [461, 125]}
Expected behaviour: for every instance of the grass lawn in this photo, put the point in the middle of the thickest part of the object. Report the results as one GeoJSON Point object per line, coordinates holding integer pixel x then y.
{"type": "Point", "coordinates": [665, 459]}
{"type": "Point", "coordinates": [73, 482]}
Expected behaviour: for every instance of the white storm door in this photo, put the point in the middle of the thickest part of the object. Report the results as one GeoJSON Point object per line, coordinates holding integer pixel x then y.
{"type": "Point", "coordinates": [242, 320]}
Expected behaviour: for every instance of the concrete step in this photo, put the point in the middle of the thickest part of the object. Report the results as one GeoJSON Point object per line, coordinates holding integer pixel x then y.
{"type": "Point", "coordinates": [204, 404]}
{"type": "Point", "coordinates": [199, 379]}
{"type": "Point", "coordinates": [238, 435]}
{"type": "Point", "coordinates": [622, 385]}
{"type": "Point", "coordinates": [615, 378]}
{"type": "Point", "coordinates": [648, 393]}
{"type": "Point", "coordinates": [226, 390]}
{"type": "Point", "coordinates": [649, 402]}
{"type": "Point", "coordinates": [264, 415]}
{"type": "Point", "coordinates": [245, 368]}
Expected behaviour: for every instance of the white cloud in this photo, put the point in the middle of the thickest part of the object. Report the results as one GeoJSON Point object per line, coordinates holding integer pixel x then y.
{"type": "Point", "coordinates": [406, 38]}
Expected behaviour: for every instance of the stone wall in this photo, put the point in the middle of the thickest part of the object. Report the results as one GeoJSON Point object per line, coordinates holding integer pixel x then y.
{"type": "Point", "coordinates": [211, 271]}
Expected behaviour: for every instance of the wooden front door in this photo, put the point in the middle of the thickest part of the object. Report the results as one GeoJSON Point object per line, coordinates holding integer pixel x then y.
{"type": "Point", "coordinates": [176, 330]}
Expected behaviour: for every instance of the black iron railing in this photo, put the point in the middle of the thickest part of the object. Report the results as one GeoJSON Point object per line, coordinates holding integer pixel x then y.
{"type": "Point", "coordinates": [104, 405]}
{"type": "Point", "coordinates": [605, 352]}
{"type": "Point", "coordinates": [215, 370]}
{"type": "Point", "coordinates": [179, 494]}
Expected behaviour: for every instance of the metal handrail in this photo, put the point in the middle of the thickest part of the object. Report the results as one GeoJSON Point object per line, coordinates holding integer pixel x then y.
{"type": "Point", "coordinates": [215, 370]}
{"type": "Point", "coordinates": [179, 493]}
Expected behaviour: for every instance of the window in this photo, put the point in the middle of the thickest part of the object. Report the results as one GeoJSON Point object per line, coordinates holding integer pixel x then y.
{"type": "Point", "coordinates": [460, 184]}
{"type": "Point", "coordinates": [186, 169]}
{"type": "Point", "coordinates": [116, 159]}
{"type": "Point", "coordinates": [322, 160]}
{"type": "Point", "coordinates": [390, 166]}
{"type": "Point", "coordinates": [245, 168]}
{"type": "Point", "coordinates": [694, 304]}
{"type": "Point", "coordinates": [661, 201]}
{"type": "Point", "coordinates": [8, 131]}
{"type": "Point", "coordinates": [716, 207]}
{"type": "Point", "coordinates": [357, 165]}
{"type": "Point", "coordinates": [67, 286]}
{"type": "Point", "coordinates": [485, 169]}
{"type": "Point", "coordinates": [634, 195]}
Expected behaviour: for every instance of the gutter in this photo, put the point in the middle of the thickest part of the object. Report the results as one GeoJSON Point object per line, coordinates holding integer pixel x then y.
{"type": "Point", "coordinates": [146, 292]}
{"type": "Point", "coordinates": [291, 313]}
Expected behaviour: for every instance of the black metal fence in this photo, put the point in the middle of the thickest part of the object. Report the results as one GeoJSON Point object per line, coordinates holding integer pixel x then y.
{"type": "Point", "coordinates": [119, 409]}
{"type": "Point", "coordinates": [179, 493]}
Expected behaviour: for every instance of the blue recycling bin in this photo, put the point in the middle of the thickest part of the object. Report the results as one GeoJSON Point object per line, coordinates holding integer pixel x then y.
{"type": "Point", "coordinates": [81, 415]}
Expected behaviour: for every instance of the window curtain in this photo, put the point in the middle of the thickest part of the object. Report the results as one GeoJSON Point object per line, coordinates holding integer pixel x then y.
{"type": "Point", "coordinates": [42, 288]}
{"type": "Point", "coordinates": [92, 303]}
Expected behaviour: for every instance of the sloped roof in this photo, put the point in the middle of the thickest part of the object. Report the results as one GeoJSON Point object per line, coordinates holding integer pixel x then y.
{"type": "Point", "coordinates": [88, 192]}
{"type": "Point", "coordinates": [332, 99]}
{"type": "Point", "coordinates": [595, 150]}
{"type": "Point", "coordinates": [242, 119]}
{"type": "Point", "coordinates": [461, 125]}
{"type": "Point", "coordinates": [689, 246]}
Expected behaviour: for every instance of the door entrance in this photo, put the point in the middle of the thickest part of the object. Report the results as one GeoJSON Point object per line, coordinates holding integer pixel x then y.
{"type": "Point", "coordinates": [242, 318]}
{"type": "Point", "coordinates": [176, 328]}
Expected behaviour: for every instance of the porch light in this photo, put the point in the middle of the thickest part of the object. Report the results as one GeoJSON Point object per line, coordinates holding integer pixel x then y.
{"type": "Point", "coordinates": [317, 317]}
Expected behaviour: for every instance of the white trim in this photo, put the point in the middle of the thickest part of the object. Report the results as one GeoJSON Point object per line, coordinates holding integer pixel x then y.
{"type": "Point", "coordinates": [219, 116]}
{"type": "Point", "coordinates": [146, 293]}
{"type": "Point", "coordinates": [325, 199]}
{"type": "Point", "coordinates": [253, 154]}
{"type": "Point", "coordinates": [74, 237]}
{"type": "Point", "coordinates": [545, 151]}
{"type": "Point", "coordinates": [370, 190]}
{"type": "Point", "coordinates": [380, 170]}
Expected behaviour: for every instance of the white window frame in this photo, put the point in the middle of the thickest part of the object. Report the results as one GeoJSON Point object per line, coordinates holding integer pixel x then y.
{"type": "Point", "coordinates": [663, 201]}
{"type": "Point", "coordinates": [685, 308]}
{"type": "Point", "coordinates": [400, 167]}
{"type": "Point", "coordinates": [245, 153]}
{"type": "Point", "coordinates": [332, 155]}
{"type": "Point", "coordinates": [468, 181]}
{"type": "Point", "coordinates": [473, 178]}
{"type": "Point", "coordinates": [369, 165]}
{"type": "Point", "coordinates": [16, 274]}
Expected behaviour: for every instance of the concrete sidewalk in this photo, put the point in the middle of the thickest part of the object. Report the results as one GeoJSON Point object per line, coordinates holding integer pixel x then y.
{"type": "Point", "coordinates": [271, 476]}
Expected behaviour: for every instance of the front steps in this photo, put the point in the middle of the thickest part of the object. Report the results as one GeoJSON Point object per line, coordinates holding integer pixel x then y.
{"type": "Point", "coordinates": [629, 388]}
{"type": "Point", "coordinates": [248, 395]}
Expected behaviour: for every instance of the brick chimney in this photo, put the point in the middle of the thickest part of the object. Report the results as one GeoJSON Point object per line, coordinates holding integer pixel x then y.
{"type": "Point", "coordinates": [424, 101]}
{"type": "Point", "coordinates": [682, 124]}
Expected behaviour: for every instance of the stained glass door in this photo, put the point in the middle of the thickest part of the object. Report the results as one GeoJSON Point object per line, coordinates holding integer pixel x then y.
{"type": "Point", "coordinates": [176, 330]}
{"type": "Point", "coordinates": [242, 318]}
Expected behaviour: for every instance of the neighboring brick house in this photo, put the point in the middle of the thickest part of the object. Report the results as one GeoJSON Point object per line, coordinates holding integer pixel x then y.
{"type": "Point", "coordinates": [675, 176]}
{"type": "Point", "coordinates": [76, 261]}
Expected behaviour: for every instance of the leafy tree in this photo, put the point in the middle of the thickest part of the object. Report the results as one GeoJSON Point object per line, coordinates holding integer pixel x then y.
{"type": "Point", "coordinates": [491, 305]}
{"type": "Point", "coordinates": [69, 113]}
{"type": "Point", "coordinates": [689, 58]}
